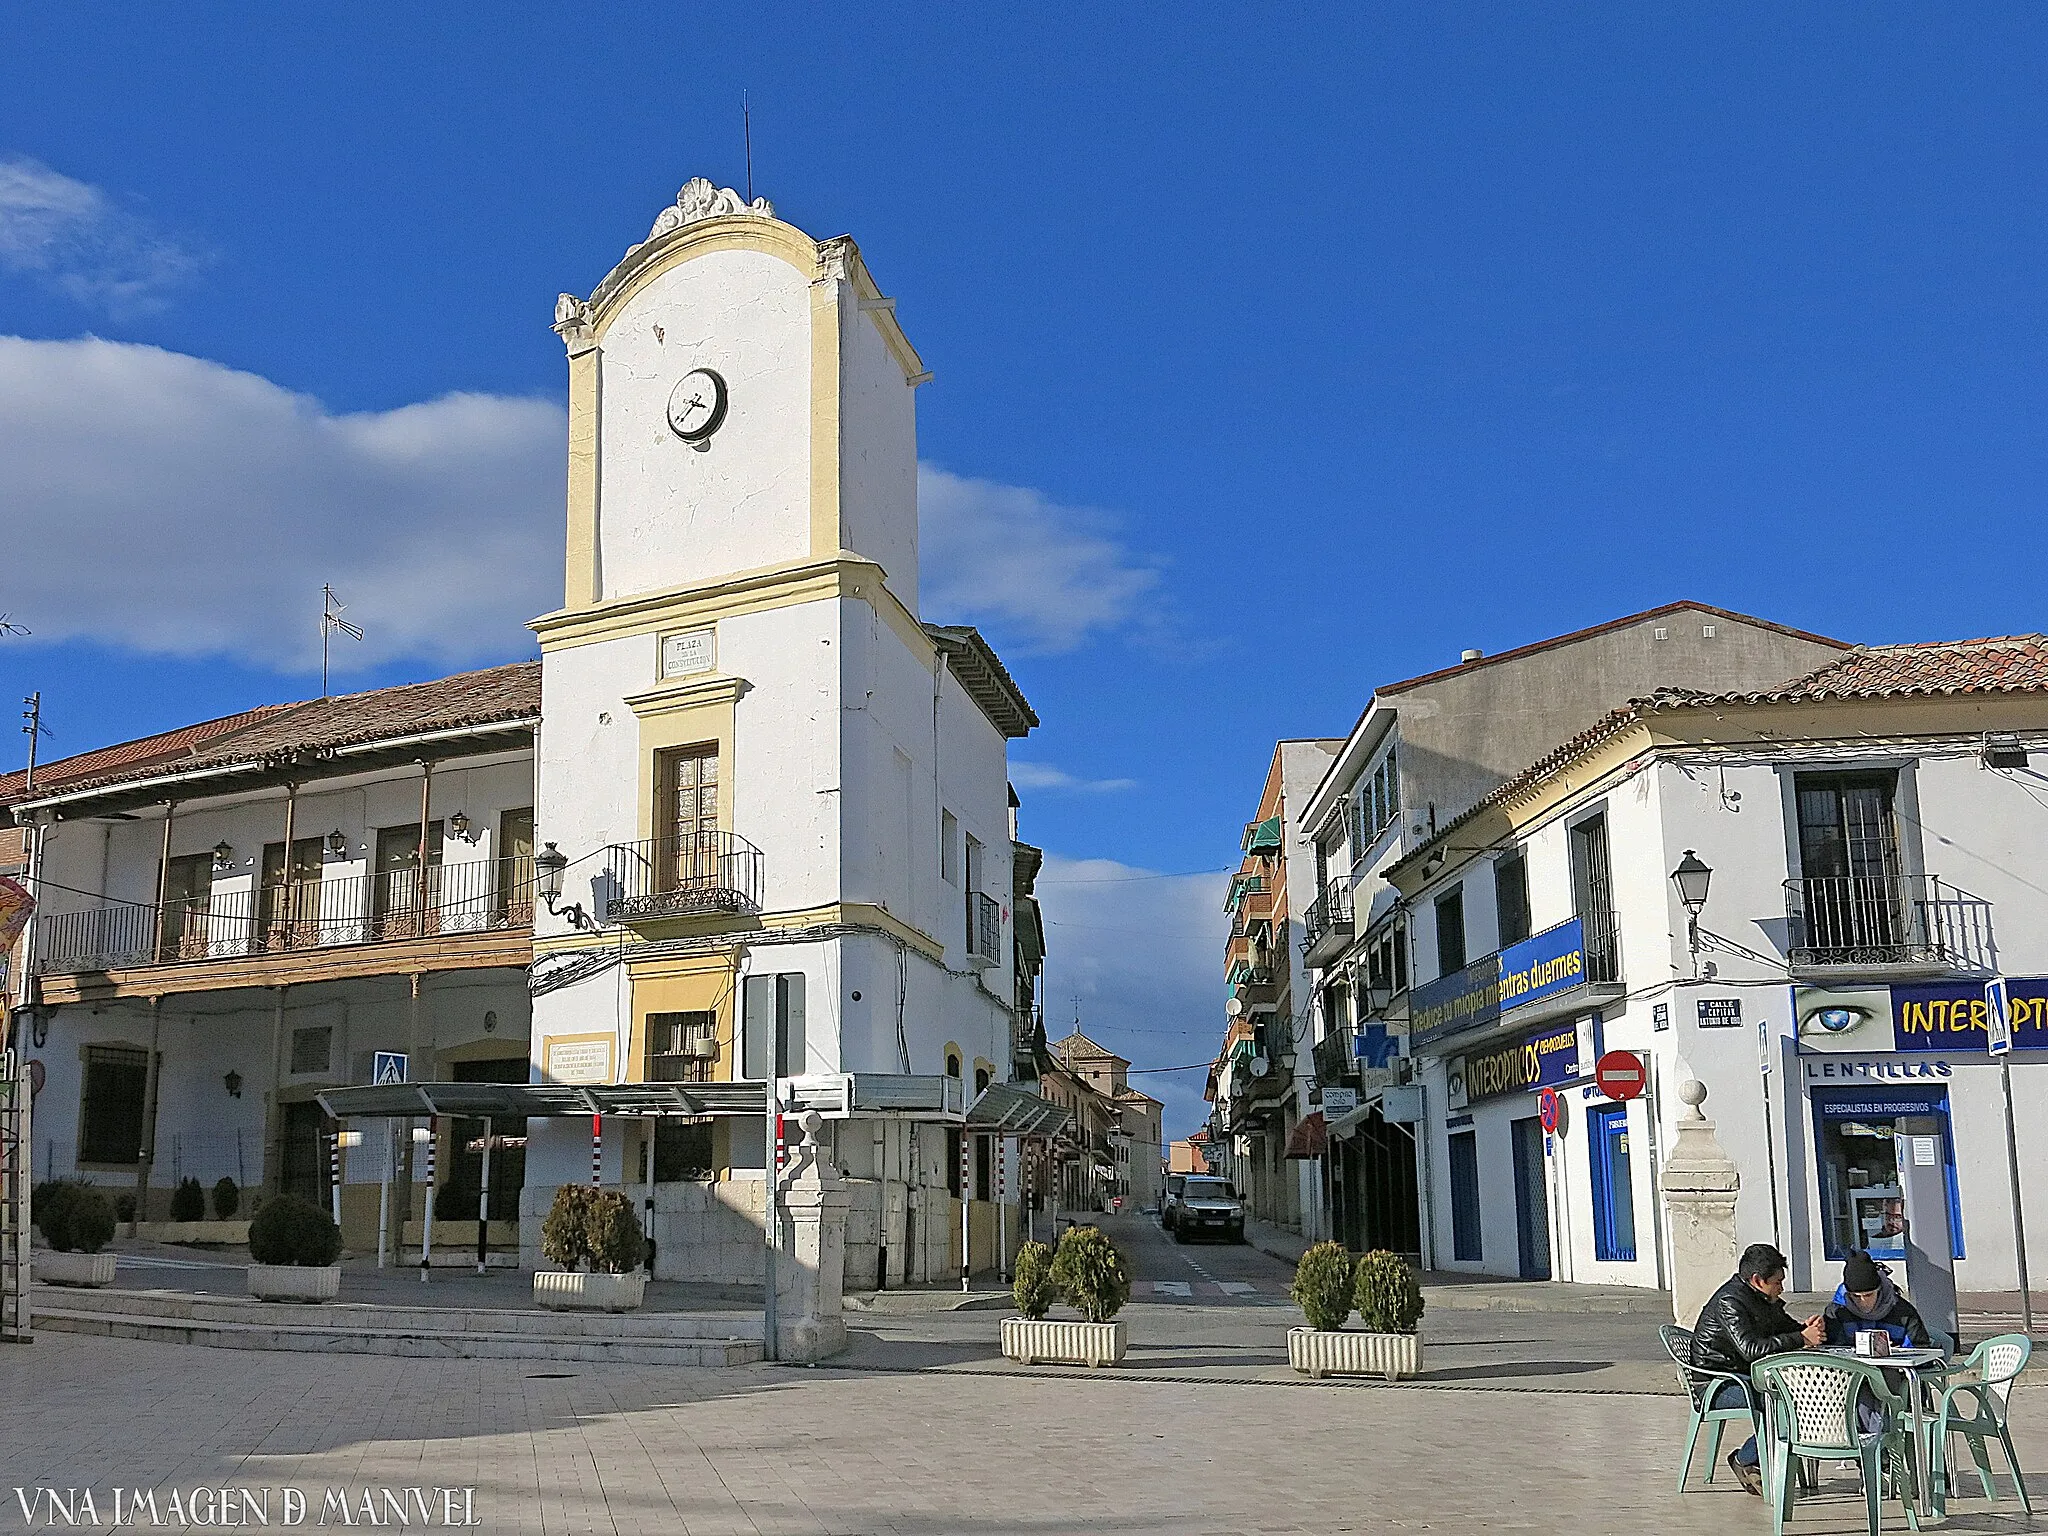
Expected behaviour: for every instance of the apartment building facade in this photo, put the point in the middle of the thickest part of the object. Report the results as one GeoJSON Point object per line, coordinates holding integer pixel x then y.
{"type": "Point", "coordinates": [1422, 752]}
{"type": "Point", "coordinates": [1863, 836]}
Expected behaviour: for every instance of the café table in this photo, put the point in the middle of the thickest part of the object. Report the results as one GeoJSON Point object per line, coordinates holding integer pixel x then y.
{"type": "Point", "coordinates": [1920, 1367]}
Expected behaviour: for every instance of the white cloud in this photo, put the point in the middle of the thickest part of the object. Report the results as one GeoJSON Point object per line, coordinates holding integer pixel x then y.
{"type": "Point", "coordinates": [173, 505]}
{"type": "Point", "coordinates": [1045, 576]}
{"type": "Point", "coordinates": [1044, 776]}
{"type": "Point", "coordinates": [72, 235]}
{"type": "Point", "coordinates": [1144, 955]}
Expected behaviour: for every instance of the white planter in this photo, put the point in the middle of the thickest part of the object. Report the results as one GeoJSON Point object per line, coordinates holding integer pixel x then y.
{"type": "Point", "coordinates": [572, 1290]}
{"type": "Point", "coordinates": [295, 1282]}
{"type": "Point", "coordinates": [73, 1268]}
{"type": "Point", "coordinates": [1062, 1343]}
{"type": "Point", "coordinates": [1314, 1352]}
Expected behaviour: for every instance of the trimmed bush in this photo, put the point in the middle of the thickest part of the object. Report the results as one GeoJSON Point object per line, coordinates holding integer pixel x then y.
{"type": "Point", "coordinates": [124, 1207]}
{"type": "Point", "coordinates": [1034, 1289]}
{"type": "Point", "coordinates": [1389, 1294]}
{"type": "Point", "coordinates": [614, 1237]}
{"type": "Point", "coordinates": [565, 1235]}
{"type": "Point", "coordinates": [188, 1201]}
{"type": "Point", "coordinates": [1090, 1274]}
{"type": "Point", "coordinates": [1322, 1286]}
{"type": "Point", "coordinates": [72, 1216]}
{"type": "Point", "coordinates": [289, 1230]}
{"type": "Point", "coordinates": [227, 1199]}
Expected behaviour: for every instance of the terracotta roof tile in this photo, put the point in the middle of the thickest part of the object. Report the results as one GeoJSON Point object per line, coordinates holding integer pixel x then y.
{"type": "Point", "coordinates": [317, 725]}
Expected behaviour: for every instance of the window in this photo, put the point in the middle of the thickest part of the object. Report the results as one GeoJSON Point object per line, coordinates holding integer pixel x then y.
{"type": "Point", "coordinates": [686, 810]}
{"type": "Point", "coordinates": [188, 893]}
{"type": "Point", "coordinates": [513, 903]}
{"type": "Point", "coordinates": [312, 1050]}
{"type": "Point", "coordinates": [1450, 931]}
{"type": "Point", "coordinates": [1511, 897]}
{"type": "Point", "coordinates": [681, 1047]}
{"type": "Point", "coordinates": [952, 1064]}
{"type": "Point", "coordinates": [1593, 895]}
{"type": "Point", "coordinates": [289, 906]}
{"type": "Point", "coordinates": [949, 848]}
{"type": "Point", "coordinates": [397, 892]}
{"type": "Point", "coordinates": [773, 1003]}
{"type": "Point", "coordinates": [954, 1139]}
{"type": "Point", "coordinates": [110, 1107]}
{"type": "Point", "coordinates": [1386, 959]}
{"type": "Point", "coordinates": [1374, 806]}
{"type": "Point", "coordinates": [1465, 1244]}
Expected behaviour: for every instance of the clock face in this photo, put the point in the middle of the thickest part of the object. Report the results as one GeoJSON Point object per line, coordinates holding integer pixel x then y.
{"type": "Point", "coordinates": [696, 407]}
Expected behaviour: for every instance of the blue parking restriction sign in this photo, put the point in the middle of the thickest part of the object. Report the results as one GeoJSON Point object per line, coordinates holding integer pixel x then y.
{"type": "Point", "coordinates": [387, 1069]}
{"type": "Point", "coordinates": [1997, 1016]}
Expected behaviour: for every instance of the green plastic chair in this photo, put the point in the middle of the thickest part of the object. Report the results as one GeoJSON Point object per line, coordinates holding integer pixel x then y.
{"type": "Point", "coordinates": [1983, 1385]}
{"type": "Point", "coordinates": [1699, 1386]}
{"type": "Point", "coordinates": [1809, 1403]}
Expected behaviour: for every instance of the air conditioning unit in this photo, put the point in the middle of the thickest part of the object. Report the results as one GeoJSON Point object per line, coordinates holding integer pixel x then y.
{"type": "Point", "coordinates": [702, 1044]}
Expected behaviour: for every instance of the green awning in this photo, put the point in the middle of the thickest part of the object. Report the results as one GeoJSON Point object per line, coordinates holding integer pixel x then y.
{"type": "Point", "coordinates": [1263, 836]}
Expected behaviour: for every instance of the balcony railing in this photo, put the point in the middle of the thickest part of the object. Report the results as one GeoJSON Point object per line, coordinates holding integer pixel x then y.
{"type": "Point", "coordinates": [698, 874]}
{"type": "Point", "coordinates": [1886, 920]}
{"type": "Point", "coordinates": [1326, 925]}
{"type": "Point", "coordinates": [287, 916]}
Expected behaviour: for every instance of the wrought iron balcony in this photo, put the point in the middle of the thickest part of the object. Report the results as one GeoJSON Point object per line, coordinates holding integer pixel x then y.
{"type": "Point", "coordinates": [288, 916]}
{"type": "Point", "coordinates": [1327, 925]}
{"type": "Point", "coordinates": [699, 874]}
{"type": "Point", "coordinates": [1898, 921]}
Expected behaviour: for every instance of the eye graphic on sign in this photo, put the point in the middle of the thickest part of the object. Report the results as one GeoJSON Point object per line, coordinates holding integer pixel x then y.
{"type": "Point", "coordinates": [1832, 1019]}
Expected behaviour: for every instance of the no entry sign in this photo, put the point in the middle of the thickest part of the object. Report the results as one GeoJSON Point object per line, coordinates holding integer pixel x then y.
{"type": "Point", "coordinates": [1620, 1075]}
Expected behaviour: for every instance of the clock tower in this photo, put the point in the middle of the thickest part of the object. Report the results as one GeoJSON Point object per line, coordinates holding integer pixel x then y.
{"type": "Point", "coordinates": [775, 798]}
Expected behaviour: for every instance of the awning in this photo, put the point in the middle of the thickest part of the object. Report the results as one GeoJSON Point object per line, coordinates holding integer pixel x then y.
{"type": "Point", "coordinates": [835, 1095]}
{"type": "Point", "coordinates": [1008, 1111]}
{"type": "Point", "coordinates": [1309, 1138]}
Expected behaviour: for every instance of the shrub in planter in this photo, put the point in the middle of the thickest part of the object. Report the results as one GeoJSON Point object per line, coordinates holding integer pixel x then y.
{"type": "Point", "coordinates": [565, 1235]}
{"type": "Point", "coordinates": [1388, 1293]}
{"type": "Point", "coordinates": [1034, 1290]}
{"type": "Point", "coordinates": [612, 1232]}
{"type": "Point", "coordinates": [291, 1231]}
{"type": "Point", "coordinates": [188, 1201]}
{"type": "Point", "coordinates": [72, 1216]}
{"type": "Point", "coordinates": [1322, 1286]}
{"type": "Point", "coordinates": [1090, 1274]}
{"type": "Point", "coordinates": [227, 1199]}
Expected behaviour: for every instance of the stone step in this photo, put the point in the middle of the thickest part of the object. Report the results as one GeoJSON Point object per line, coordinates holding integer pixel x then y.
{"type": "Point", "coordinates": [198, 1307]}
{"type": "Point", "coordinates": [413, 1343]}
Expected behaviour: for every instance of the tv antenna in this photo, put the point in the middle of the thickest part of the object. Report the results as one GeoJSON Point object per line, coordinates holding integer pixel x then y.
{"type": "Point", "coordinates": [34, 729]}
{"type": "Point", "coordinates": [331, 610]}
{"type": "Point", "coordinates": [9, 627]}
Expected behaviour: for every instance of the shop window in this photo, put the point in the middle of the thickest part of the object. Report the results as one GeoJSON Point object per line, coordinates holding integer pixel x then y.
{"type": "Point", "coordinates": [1861, 1201]}
{"type": "Point", "coordinates": [682, 1149]}
{"type": "Point", "coordinates": [1614, 1205]}
{"type": "Point", "coordinates": [111, 1104]}
{"type": "Point", "coordinates": [1465, 1243]}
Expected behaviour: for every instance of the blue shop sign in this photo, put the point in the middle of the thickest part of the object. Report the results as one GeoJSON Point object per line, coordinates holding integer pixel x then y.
{"type": "Point", "coordinates": [1920, 1016]}
{"type": "Point", "coordinates": [1541, 966]}
{"type": "Point", "coordinates": [1541, 1061]}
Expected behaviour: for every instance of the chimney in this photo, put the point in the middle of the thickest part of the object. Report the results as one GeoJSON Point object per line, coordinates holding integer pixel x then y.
{"type": "Point", "coordinates": [1465, 657]}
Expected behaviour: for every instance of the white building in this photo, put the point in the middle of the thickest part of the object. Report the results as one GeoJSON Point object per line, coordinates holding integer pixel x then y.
{"type": "Point", "coordinates": [774, 806]}
{"type": "Point", "coordinates": [1872, 829]}
{"type": "Point", "coordinates": [1423, 751]}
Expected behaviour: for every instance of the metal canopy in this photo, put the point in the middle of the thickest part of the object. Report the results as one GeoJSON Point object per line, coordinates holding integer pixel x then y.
{"type": "Point", "coordinates": [836, 1095]}
{"type": "Point", "coordinates": [1006, 1111]}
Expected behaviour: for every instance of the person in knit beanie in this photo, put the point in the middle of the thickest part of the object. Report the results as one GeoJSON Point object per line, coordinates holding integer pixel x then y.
{"type": "Point", "coordinates": [1868, 1301]}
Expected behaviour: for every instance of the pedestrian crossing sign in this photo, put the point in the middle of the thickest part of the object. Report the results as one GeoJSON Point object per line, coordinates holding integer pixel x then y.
{"type": "Point", "coordinates": [387, 1069]}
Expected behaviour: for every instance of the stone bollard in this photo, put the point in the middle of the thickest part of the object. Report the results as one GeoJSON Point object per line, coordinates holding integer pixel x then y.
{"type": "Point", "coordinates": [810, 1284]}
{"type": "Point", "coordinates": [1700, 1183]}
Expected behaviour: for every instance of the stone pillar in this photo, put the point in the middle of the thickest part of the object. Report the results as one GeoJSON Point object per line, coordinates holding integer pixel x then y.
{"type": "Point", "coordinates": [810, 1284]}
{"type": "Point", "coordinates": [1700, 1184]}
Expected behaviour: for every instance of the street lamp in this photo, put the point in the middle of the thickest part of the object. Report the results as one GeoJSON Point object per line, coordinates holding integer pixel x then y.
{"type": "Point", "coordinates": [549, 865]}
{"type": "Point", "coordinates": [1692, 877]}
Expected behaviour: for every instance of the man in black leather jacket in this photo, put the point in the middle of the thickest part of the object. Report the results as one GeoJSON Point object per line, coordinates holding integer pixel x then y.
{"type": "Point", "coordinates": [1742, 1323]}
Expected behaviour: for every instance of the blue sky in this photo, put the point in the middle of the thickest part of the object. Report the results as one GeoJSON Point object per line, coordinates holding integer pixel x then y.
{"type": "Point", "coordinates": [1296, 350]}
